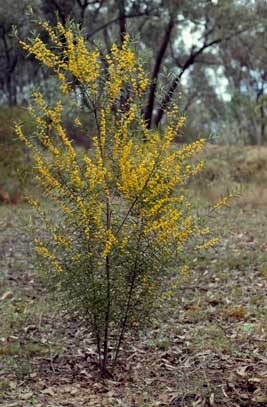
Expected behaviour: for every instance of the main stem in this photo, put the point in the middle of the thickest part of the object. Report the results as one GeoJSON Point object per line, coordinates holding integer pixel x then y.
{"type": "Point", "coordinates": [129, 302]}
{"type": "Point", "coordinates": [108, 297]}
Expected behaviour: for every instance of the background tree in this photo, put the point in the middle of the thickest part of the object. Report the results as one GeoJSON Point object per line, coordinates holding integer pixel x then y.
{"type": "Point", "coordinates": [14, 70]}
{"type": "Point", "coordinates": [245, 66]}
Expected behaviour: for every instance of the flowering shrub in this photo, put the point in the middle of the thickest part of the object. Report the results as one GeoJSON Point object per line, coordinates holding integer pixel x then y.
{"type": "Point", "coordinates": [123, 218]}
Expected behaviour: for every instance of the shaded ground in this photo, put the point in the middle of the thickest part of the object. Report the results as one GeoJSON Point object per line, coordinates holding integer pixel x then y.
{"type": "Point", "coordinates": [209, 349]}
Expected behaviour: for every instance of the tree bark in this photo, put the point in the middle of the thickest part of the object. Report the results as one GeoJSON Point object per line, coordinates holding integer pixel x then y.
{"type": "Point", "coordinates": [152, 92]}
{"type": "Point", "coordinates": [122, 20]}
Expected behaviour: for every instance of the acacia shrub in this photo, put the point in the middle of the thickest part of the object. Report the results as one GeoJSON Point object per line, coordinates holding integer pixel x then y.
{"type": "Point", "coordinates": [122, 215]}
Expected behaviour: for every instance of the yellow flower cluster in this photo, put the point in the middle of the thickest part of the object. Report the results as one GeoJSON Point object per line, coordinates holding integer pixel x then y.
{"type": "Point", "coordinates": [61, 241]}
{"type": "Point", "coordinates": [44, 172]}
{"type": "Point", "coordinates": [69, 55]}
{"type": "Point", "coordinates": [223, 201]}
{"type": "Point", "coordinates": [78, 56]}
{"type": "Point", "coordinates": [208, 244]}
{"type": "Point", "coordinates": [76, 179]}
{"type": "Point", "coordinates": [42, 251]}
{"type": "Point", "coordinates": [110, 240]}
{"type": "Point", "coordinates": [124, 69]}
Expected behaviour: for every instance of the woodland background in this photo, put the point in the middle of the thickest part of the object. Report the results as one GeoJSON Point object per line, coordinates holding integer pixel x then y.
{"type": "Point", "coordinates": [213, 52]}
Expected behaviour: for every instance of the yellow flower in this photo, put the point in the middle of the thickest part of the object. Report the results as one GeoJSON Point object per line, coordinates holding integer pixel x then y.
{"type": "Point", "coordinates": [110, 240]}
{"type": "Point", "coordinates": [77, 122]}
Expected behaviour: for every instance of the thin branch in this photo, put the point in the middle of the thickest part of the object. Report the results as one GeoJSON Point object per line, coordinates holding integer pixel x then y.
{"type": "Point", "coordinates": [114, 20]}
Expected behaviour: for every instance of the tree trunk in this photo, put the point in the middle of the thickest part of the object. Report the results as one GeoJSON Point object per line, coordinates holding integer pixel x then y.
{"type": "Point", "coordinates": [152, 92]}
{"type": "Point", "coordinates": [122, 20]}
